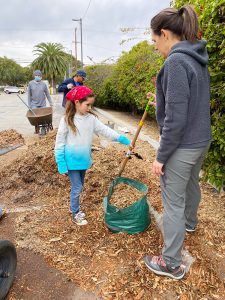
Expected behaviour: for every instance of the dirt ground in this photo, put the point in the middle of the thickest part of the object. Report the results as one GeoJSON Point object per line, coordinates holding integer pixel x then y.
{"type": "Point", "coordinates": [35, 279]}
{"type": "Point", "coordinates": [104, 264]}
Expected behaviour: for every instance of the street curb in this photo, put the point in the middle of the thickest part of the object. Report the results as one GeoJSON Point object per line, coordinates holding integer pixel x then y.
{"type": "Point", "coordinates": [132, 129]}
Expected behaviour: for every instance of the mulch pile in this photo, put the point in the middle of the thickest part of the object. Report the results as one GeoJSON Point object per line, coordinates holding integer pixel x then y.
{"type": "Point", "coordinates": [111, 265]}
{"type": "Point", "coordinates": [10, 138]}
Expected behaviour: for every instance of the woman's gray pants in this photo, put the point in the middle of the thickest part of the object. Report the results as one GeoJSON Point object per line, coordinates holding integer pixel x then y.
{"type": "Point", "coordinates": [181, 196]}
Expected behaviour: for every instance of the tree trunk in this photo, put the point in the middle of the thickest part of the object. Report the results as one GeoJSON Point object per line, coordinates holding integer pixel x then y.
{"type": "Point", "coordinates": [53, 90]}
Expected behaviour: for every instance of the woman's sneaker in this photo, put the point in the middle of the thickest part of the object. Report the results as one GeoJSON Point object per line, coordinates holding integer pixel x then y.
{"type": "Point", "coordinates": [79, 219]}
{"type": "Point", "coordinates": [157, 265]}
{"type": "Point", "coordinates": [2, 213]}
{"type": "Point", "coordinates": [190, 229]}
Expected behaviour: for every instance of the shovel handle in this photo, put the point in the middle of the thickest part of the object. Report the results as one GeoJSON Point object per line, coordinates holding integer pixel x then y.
{"type": "Point", "coordinates": [140, 125]}
{"type": "Point", "coordinates": [27, 106]}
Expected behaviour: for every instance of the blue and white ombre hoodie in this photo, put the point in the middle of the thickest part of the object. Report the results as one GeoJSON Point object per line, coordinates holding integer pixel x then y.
{"type": "Point", "coordinates": [73, 150]}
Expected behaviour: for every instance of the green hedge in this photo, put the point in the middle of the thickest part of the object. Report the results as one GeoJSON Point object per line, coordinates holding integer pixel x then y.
{"type": "Point", "coordinates": [127, 83]}
{"type": "Point", "coordinates": [12, 73]}
{"type": "Point", "coordinates": [212, 22]}
{"type": "Point", "coordinates": [96, 78]}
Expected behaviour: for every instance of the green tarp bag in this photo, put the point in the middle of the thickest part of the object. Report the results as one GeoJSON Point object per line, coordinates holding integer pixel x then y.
{"type": "Point", "coordinates": [132, 219]}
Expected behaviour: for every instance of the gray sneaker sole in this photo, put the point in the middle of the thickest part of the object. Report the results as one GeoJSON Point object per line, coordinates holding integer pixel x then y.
{"type": "Point", "coordinates": [190, 230]}
{"type": "Point", "coordinates": [79, 224]}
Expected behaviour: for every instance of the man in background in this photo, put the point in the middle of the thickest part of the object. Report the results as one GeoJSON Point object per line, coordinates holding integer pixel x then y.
{"type": "Point", "coordinates": [70, 83]}
{"type": "Point", "coordinates": [38, 91]}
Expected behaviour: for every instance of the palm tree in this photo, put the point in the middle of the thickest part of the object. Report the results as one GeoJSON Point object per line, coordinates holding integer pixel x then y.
{"type": "Point", "coordinates": [51, 60]}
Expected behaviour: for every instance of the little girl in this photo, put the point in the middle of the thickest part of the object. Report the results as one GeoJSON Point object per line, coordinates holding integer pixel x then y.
{"type": "Point", "coordinates": [74, 140]}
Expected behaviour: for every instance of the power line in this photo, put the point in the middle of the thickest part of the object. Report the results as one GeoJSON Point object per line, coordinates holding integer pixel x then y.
{"type": "Point", "coordinates": [58, 30]}
{"type": "Point", "coordinates": [16, 47]}
{"type": "Point", "coordinates": [89, 44]}
{"type": "Point", "coordinates": [86, 9]}
{"type": "Point", "coordinates": [68, 29]}
{"type": "Point", "coordinates": [97, 46]}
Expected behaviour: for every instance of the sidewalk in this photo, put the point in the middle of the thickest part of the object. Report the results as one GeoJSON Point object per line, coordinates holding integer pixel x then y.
{"type": "Point", "coordinates": [13, 116]}
{"type": "Point", "coordinates": [119, 123]}
{"type": "Point", "coordinates": [13, 113]}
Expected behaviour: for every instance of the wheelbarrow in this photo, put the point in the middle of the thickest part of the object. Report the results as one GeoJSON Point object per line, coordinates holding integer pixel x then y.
{"type": "Point", "coordinates": [8, 262]}
{"type": "Point", "coordinates": [41, 118]}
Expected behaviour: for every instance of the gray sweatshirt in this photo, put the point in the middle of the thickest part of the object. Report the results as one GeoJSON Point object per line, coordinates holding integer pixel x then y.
{"type": "Point", "coordinates": [37, 93]}
{"type": "Point", "coordinates": [183, 95]}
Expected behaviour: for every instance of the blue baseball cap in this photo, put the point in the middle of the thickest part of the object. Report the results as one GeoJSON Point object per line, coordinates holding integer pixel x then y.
{"type": "Point", "coordinates": [81, 73]}
{"type": "Point", "coordinates": [37, 73]}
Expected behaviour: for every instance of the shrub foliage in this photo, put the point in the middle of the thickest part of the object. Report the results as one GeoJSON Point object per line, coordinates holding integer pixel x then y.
{"type": "Point", "coordinates": [124, 85]}
{"type": "Point", "coordinates": [211, 15]}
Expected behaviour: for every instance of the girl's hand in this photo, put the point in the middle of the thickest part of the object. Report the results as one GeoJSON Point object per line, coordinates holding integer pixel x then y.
{"type": "Point", "coordinates": [157, 168]}
{"type": "Point", "coordinates": [65, 174]}
{"type": "Point", "coordinates": [122, 139]}
{"type": "Point", "coordinates": [149, 95]}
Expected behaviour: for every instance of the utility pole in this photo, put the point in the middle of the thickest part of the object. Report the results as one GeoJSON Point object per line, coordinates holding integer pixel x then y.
{"type": "Point", "coordinates": [75, 42]}
{"type": "Point", "coordinates": [81, 42]}
{"type": "Point", "coordinates": [71, 66]}
{"type": "Point", "coordinates": [81, 39]}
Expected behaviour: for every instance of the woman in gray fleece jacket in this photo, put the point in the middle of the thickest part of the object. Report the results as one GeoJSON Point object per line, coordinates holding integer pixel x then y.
{"type": "Point", "coordinates": [183, 116]}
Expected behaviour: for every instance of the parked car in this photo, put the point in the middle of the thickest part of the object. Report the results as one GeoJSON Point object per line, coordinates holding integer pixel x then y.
{"type": "Point", "coordinates": [13, 89]}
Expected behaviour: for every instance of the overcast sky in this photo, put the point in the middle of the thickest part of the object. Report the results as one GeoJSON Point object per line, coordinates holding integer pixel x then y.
{"type": "Point", "coordinates": [25, 23]}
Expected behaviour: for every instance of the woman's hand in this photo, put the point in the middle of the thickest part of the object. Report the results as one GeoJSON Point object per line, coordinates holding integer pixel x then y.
{"type": "Point", "coordinates": [157, 168]}
{"type": "Point", "coordinates": [149, 95]}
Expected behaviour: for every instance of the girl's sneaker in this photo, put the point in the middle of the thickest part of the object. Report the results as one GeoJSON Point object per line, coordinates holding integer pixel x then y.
{"type": "Point", "coordinates": [79, 219]}
{"type": "Point", "coordinates": [80, 212]}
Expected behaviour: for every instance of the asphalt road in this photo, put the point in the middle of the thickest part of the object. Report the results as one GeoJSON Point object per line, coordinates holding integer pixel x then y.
{"type": "Point", "coordinates": [13, 113]}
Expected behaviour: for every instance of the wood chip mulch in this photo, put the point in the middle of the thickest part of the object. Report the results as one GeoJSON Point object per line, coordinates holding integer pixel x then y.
{"type": "Point", "coordinates": [9, 138]}
{"type": "Point", "coordinates": [111, 265]}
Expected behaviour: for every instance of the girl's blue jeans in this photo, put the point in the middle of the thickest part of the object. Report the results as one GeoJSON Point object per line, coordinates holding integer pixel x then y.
{"type": "Point", "coordinates": [77, 182]}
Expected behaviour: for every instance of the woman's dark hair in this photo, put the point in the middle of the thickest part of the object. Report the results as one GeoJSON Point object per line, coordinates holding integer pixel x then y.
{"type": "Point", "coordinates": [70, 111]}
{"type": "Point", "coordinates": [182, 22]}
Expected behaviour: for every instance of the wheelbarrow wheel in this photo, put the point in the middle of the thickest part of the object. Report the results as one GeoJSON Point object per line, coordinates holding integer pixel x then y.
{"type": "Point", "coordinates": [8, 261]}
{"type": "Point", "coordinates": [43, 131]}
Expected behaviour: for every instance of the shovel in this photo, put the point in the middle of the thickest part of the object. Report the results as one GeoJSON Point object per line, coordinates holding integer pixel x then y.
{"type": "Point", "coordinates": [129, 152]}
{"type": "Point", "coordinates": [27, 106]}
